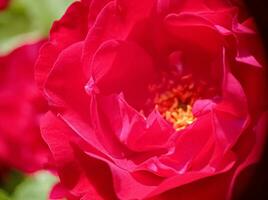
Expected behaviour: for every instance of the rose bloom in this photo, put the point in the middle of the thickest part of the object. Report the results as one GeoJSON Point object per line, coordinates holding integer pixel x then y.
{"type": "Point", "coordinates": [21, 106]}
{"type": "Point", "coordinates": [3, 4]}
{"type": "Point", "coordinates": [153, 99]}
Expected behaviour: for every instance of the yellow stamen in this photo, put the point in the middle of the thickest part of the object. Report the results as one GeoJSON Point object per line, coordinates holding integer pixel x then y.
{"type": "Point", "coordinates": [174, 100]}
{"type": "Point", "coordinates": [178, 114]}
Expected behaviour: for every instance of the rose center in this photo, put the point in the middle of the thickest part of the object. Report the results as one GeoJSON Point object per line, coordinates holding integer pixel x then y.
{"type": "Point", "coordinates": [174, 100]}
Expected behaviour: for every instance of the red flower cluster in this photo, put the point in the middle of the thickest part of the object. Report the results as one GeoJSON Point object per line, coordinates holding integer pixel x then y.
{"type": "Point", "coordinates": [21, 106]}
{"type": "Point", "coordinates": [152, 99]}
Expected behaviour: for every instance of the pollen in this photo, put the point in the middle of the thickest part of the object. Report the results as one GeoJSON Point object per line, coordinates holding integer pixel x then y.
{"type": "Point", "coordinates": [174, 101]}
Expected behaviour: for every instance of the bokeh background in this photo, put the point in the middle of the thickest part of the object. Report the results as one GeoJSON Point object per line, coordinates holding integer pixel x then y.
{"type": "Point", "coordinates": [28, 20]}
{"type": "Point", "coordinates": [22, 22]}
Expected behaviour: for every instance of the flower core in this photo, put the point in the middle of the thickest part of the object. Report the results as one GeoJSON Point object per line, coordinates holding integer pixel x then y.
{"type": "Point", "coordinates": [174, 100]}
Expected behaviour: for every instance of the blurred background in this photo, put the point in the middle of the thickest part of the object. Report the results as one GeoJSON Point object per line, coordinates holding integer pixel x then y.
{"type": "Point", "coordinates": [28, 20]}
{"type": "Point", "coordinates": [257, 189]}
{"type": "Point", "coordinates": [21, 22]}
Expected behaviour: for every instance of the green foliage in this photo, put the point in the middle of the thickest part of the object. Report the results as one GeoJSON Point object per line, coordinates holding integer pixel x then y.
{"type": "Point", "coordinates": [3, 195]}
{"type": "Point", "coordinates": [11, 180]}
{"type": "Point", "coordinates": [28, 20]}
{"type": "Point", "coordinates": [34, 187]}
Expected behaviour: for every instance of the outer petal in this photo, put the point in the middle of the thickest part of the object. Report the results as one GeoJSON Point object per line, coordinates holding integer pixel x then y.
{"type": "Point", "coordinates": [71, 28]}
{"type": "Point", "coordinates": [66, 149]}
{"type": "Point", "coordinates": [117, 20]}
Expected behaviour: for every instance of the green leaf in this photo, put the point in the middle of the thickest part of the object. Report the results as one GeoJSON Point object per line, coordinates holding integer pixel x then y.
{"type": "Point", "coordinates": [3, 195]}
{"type": "Point", "coordinates": [36, 187]}
{"type": "Point", "coordinates": [28, 20]}
{"type": "Point", "coordinates": [11, 180]}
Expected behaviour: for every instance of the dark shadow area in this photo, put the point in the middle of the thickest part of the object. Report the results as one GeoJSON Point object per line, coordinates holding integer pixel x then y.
{"type": "Point", "coordinates": [258, 187]}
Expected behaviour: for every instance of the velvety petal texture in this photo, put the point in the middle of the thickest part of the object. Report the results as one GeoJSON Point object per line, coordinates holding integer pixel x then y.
{"type": "Point", "coordinates": [103, 72]}
{"type": "Point", "coordinates": [21, 106]}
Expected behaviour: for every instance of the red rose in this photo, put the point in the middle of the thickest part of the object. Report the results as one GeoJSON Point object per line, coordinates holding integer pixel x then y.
{"type": "Point", "coordinates": [151, 100]}
{"type": "Point", "coordinates": [3, 4]}
{"type": "Point", "coordinates": [21, 106]}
